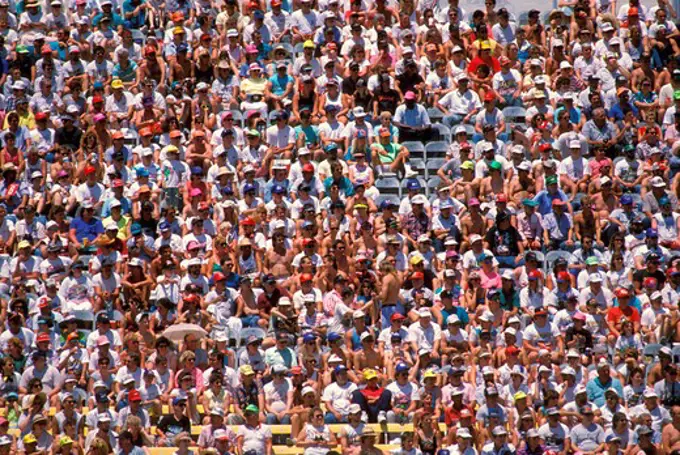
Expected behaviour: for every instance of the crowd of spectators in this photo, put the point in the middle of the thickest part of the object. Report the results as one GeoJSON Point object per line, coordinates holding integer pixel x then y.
{"type": "Point", "coordinates": [357, 227]}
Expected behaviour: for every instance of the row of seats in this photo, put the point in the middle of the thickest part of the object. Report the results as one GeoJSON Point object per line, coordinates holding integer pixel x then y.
{"type": "Point", "coordinates": [284, 430]}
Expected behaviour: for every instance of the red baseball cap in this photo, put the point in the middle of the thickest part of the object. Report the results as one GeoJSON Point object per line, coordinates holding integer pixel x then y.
{"type": "Point", "coordinates": [305, 277]}
{"type": "Point", "coordinates": [501, 197]}
{"type": "Point", "coordinates": [97, 99]}
{"type": "Point", "coordinates": [117, 183]}
{"type": "Point", "coordinates": [535, 275]}
{"type": "Point", "coordinates": [309, 167]}
{"type": "Point", "coordinates": [489, 96]}
{"type": "Point", "coordinates": [399, 316]}
{"type": "Point", "coordinates": [219, 276]}
{"type": "Point", "coordinates": [418, 276]}
{"type": "Point", "coordinates": [622, 293]}
{"type": "Point", "coordinates": [42, 338]}
{"type": "Point", "coordinates": [41, 116]}
{"type": "Point", "coordinates": [90, 170]}
{"type": "Point", "coordinates": [117, 135]}
{"type": "Point", "coordinates": [134, 395]}
{"type": "Point", "coordinates": [563, 276]}
{"type": "Point", "coordinates": [248, 222]}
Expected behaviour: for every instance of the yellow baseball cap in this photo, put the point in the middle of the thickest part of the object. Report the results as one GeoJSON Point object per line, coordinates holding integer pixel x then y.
{"type": "Point", "coordinates": [117, 83]}
{"type": "Point", "coordinates": [416, 259]}
{"type": "Point", "coordinates": [429, 374]}
{"type": "Point", "coordinates": [64, 441]}
{"type": "Point", "coordinates": [485, 45]}
{"type": "Point", "coordinates": [171, 149]}
{"type": "Point", "coordinates": [309, 44]}
{"type": "Point", "coordinates": [469, 165]}
{"type": "Point", "coordinates": [30, 439]}
{"type": "Point", "coordinates": [246, 370]}
{"type": "Point", "coordinates": [178, 30]}
{"type": "Point", "coordinates": [370, 374]}
{"type": "Point", "coordinates": [24, 244]}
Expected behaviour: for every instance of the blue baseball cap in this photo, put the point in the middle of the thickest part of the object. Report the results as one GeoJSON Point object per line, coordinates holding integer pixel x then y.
{"type": "Point", "coordinates": [278, 189]}
{"type": "Point", "coordinates": [333, 336]}
{"type": "Point", "coordinates": [330, 147]}
{"type": "Point", "coordinates": [339, 369]}
{"type": "Point", "coordinates": [664, 200]}
{"type": "Point", "coordinates": [652, 233]}
{"type": "Point", "coordinates": [197, 170]}
{"type": "Point", "coordinates": [182, 48]}
{"type": "Point", "coordinates": [164, 226]}
{"type": "Point", "coordinates": [401, 367]}
{"type": "Point", "coordinates": [248, 187]}
{"type": "Point", "coordinates": [258, 14]}
{"type": "Point", "coordinates": [98, 85]}
{"type": "Point", "coordinates": [142, 172]}
{"type": "Point", "coordinates": [413, 185]}
{"type": "Point", "coordinates": [135, 229]}
{"type": "Point", "coordinates": [308, 337]}
{"type": "Point", "coordinates": [387, 204]}
{"type": "Point", "coordinates": [626, 199]}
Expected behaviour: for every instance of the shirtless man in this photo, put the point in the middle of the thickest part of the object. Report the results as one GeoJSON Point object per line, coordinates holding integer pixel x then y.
{"type": "Point", "coordinates": [605, 201]}
{"type": "Point", "coordinates": [388, 214]}
{"type": "Point", "coordinates": [390, 285]}
{"type": "Point", "coordinates": [180, 68]}
{"type": "Point", "coordinates": [368, 357]}
{"type": "Point", "coordinates": [493, 183]}
{"type": "Point", "coordinates": [587, 221]}
{"type": "Point", "coordinates": [367, 242]}
{"type": "Point", "coordinates": [523, 185]}
{"type": "Point", "coordinates": [670, 436]}
{"type": "Point", "coordinates": [467, 186]}
{"type": "Point", "coordinates": [278, 259]}
{"type": "Point", "coordinates": [472, 223]}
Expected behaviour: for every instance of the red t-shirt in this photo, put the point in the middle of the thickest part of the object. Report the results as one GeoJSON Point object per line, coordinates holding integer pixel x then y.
{"type": "Point", "coordinates": [478, 61]}
{"type": "Point", "coordinates": [616, 313]}
{"type": "Point", "coordinates": [372, 393]}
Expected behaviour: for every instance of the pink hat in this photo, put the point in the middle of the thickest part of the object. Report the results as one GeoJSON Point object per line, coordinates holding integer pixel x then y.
{"type": "Point", "coordinates": [251, 49]}
{"type": "Point", "coordinates": [102, 341]}
{"type": "Point", "coordinates": [193, 244]}
{"type": "Point", "coordinates": [195, 192]}
{"type": "Point", "coordinates": [99, 118]}
{"type": "Point", "coordinates": [410, 95]}
{"type": "Point", "coordinates": [578, 316]}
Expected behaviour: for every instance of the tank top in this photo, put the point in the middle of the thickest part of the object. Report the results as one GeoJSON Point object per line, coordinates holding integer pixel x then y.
{"type": "Point", "coordinates": [334, 102]}
{"type": "Point", "coordinates": [206, 75]}
{"type": "Point", "coordinates": [9, 158]}
{"type": "Point", "coordinates": [316, 434]}
{"type": "Point", "coordinates": [354, 434]}
{"type": "Point", "coordinates": [356, 340]}
{"type": "Point", "coordinates": [306, 101]}
{"type": "Point", "coordinates": [247, 265]}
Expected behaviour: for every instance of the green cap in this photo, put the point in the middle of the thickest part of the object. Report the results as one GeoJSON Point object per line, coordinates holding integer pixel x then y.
{"type": "Point", "coordinates": [676, 94]}
{"type": "Point", "coordinates": [252, 408]}
{"type": "Point", "coordinates": [529, 202]}
{"type": "Point", "coordinates": [22, 49]}
{"type": "Point", "coordinates": [469, 165]}
{"type": "Point", "coordinates": [592, 260]}
{"type": "Point", "coordinates": [551, 179]}
{"type": "Point", "coordinates": [628, 147]}
{"type": "Point", "coordinates": [495, 165]}
{"type": "Point", "coordinates": [253, 132]}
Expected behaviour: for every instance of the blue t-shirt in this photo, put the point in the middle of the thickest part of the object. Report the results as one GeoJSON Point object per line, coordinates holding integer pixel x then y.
{"type": "Point", "coordinates": [87, 229]}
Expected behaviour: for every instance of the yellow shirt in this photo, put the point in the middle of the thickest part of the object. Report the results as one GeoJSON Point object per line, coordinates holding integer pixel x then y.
{"type": "Point", "coordinates": [123, 224]}
{"type": "Point", "coordinates": [252, 86]}
{"type": "Point", "coordinates": [27, 120]}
